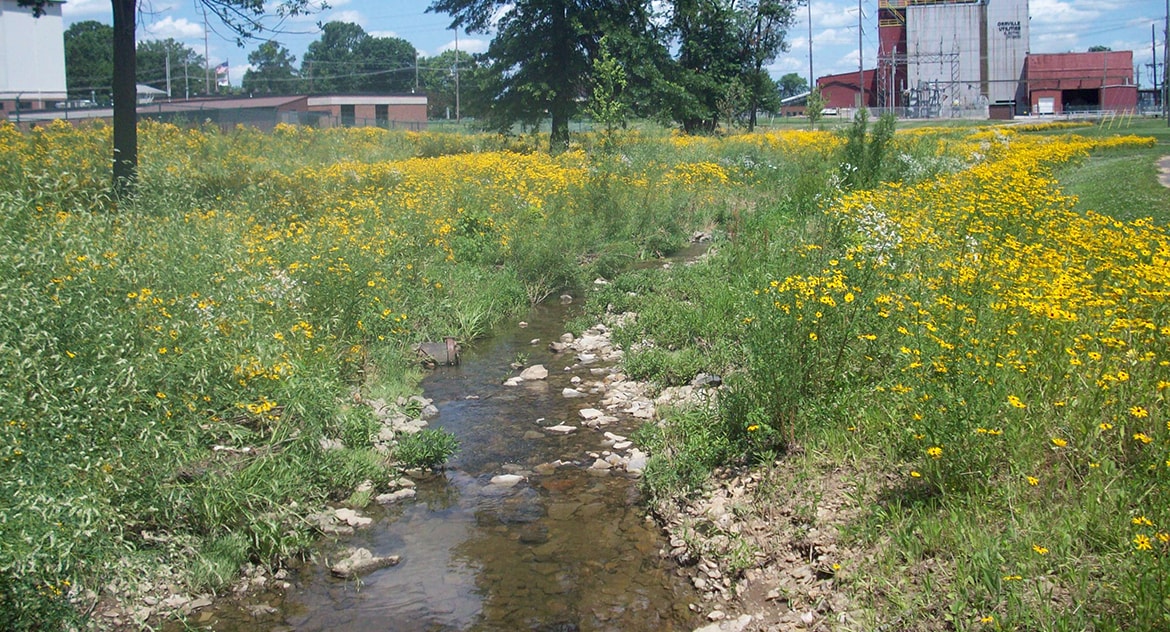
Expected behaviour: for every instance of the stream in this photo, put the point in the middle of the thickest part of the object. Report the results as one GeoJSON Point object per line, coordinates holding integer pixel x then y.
{"type": "Point", "coordinates": [567, 548]}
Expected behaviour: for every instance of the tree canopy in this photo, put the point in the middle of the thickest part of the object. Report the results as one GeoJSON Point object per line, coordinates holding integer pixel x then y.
{"type": "Point", "coordinates": [89, 58]}
{"type": "Point", "coordinates": [272, 70]}
{"type": "Point", "coordinates": [188, 71]}
{"type": "Point", "coordinates": [347, 59]}
{"type": "Point", "coordinates": [791, 85]}
{"type": "Point", "coordinates": [436, 77]}
{"type": "Point", "coordinates": [692, 62]}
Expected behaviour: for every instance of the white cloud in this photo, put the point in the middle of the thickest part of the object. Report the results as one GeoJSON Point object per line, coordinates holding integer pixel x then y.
{"type": "Point", "coordinates": [467, 45]}
{"type": "Point", "coordinates": [834, 37]}
{"type": "Point", "coordinates": [1059, 12]}
{"type": "Point", "coordinates": [351, 16]}
{"type": "Point", "coordinates": [1054, 42]}
{"type": "Point", "coordinates": [834, 15]}
{"type": "Point", "coordinates": [785, 65]}
{"type": "Point", "coordinates": [75, 8]}
{"type": "Point", "coordinates": [168, 27]}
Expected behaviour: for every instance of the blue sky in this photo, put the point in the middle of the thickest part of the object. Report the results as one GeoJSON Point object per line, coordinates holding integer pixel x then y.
{"type": "Point", "coordinates": [1056, 26]}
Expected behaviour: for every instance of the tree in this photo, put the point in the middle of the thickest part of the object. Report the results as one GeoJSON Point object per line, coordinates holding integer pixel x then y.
{"type": "Point", "coordinates": [436, 77]}
{"type": "Point", "coordinates": [538, 57]}
{"type": "Point", "coordinates": [734, 101]}
{"type": "Point", "coordinates": [89, 58]}
{"type": "Point", "coordinates": [710, 56]}
{"type": "Point", "coordinates": [241, 16]}
{"type": "Point", "coordinates": [387, 65]}
{"type": "Point", "coordinates": [1099, 49]}
{"type": "Point", "coordinates": [605, 103]}
{"type": "Point", "coordinates": [791, 85]}
{"type": "Point", "coordinates": [327, 64]}
{"type": "Point", "coordinates": [272, 70]}
{"type": "Point", "coordinates": [815, 107]}
{"type": "Point", "coordinates": [539, 62]}
{"type": "Point", "coordinates": [347, 59]}
{"type": "Point", "coordinates": [763, 27]}
{"type": "Point", "coordinates": [185, 63]}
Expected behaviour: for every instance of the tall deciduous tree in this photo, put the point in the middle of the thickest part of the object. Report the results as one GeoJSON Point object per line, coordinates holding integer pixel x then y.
{"type": "Point", "coordinates": [241, 16]}
{"type": "Point", "coordinates": [541, 56]}
{"type": "Point", "coordinates": [272, 70]}
{"type": "Point", "coordinates": [764, 25]}
{"type": "Point", "coordinates": [328, 62]}
{"type": "Point", "coordinates": [538, 57]}
{"type": "Point", "coordinates": [791, 85]}
{"type": "Point", "coordinates": [347, 59]}
{"type": "Point", "coordinates": [436, 77]}
{"type": "Point", "coordinates": [710, 57]}
{"type": "Point", "coordinates": [89, 58]}
{"type": "Point", "coordinates": [185, 63]}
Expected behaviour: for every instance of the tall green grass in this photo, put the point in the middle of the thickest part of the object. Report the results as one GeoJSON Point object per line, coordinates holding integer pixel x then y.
{"type": "Point", "coordinates": [1027, 486]}
{"type": "Point", "coordinates": [176, 371]}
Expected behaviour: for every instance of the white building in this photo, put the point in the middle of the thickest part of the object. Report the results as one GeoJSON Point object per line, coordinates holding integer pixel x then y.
{"type": "Point", "coordinates": [32, 57]}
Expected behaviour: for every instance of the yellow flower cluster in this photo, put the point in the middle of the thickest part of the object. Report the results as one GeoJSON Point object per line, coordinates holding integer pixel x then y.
{"type": "Point", "coordinates": [1013, 307]}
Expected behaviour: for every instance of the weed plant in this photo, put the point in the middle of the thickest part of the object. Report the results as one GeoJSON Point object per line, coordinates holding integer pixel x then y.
{"type": "Point", "coordinates": [426, 449]}
{"type": "Point", "coordinates": [997, 347]}
{"type": "Point", "coordinates": [173, 368]}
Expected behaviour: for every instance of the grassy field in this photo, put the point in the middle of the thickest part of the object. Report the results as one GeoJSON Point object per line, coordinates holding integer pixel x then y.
{"type": "Point", "coordinates": [1124, 186]}
{"type": "Point", "coordinates": [980, 356]}
{"type": "Point", "coordinates": [177, 374]}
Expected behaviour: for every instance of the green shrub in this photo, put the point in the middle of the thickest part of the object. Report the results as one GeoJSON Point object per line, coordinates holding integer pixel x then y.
{"type": "Point", "coordinates": [429, 448]}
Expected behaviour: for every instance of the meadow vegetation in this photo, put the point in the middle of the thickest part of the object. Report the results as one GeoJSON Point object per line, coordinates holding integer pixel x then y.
{"type": "Point", "coordinates": [966, 329]}
{"type": "Point", "coordinates": [179, 371]}
{"type": "Point", "coordinates": [929, 303]}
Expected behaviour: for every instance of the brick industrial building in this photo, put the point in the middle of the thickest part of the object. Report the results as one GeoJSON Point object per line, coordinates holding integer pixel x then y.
{"type": "Point", "coordinates": [943, 58]}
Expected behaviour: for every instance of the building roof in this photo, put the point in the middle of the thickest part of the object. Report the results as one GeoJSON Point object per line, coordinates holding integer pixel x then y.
{"type": "Point", "coordinates": [796, 98]}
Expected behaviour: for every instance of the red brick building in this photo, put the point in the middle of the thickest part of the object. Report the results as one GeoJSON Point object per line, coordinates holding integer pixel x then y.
{"type": "Point", "coordinates": [841, 91]}
{"type": "Point", "coordinates": [1069, 82]}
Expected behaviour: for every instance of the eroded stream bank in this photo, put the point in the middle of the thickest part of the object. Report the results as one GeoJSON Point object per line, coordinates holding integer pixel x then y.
{"type": "Point", "coordinates": [563, 544]}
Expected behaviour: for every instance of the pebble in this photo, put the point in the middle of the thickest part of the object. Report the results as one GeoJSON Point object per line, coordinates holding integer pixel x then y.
{"type": "Point", "coordinates": [560, 429]}
{"type": "Point", "coordinates": [397, 496]}
{"type": "Point", "coordinates": [534, 372]}
{"type": "Point", "coordinates": [506, 480]}
{"type": "Point", "coordinates": [361, 561]}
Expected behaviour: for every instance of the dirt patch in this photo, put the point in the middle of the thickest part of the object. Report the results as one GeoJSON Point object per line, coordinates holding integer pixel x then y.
{"type": "Point", "coordinates": [767, 543]}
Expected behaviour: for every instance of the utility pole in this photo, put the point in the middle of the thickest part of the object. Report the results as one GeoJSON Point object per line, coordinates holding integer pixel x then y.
{"type": "Point", "coordinates": [811, 81]}
{"type": "Point", "coordinates": [457, 73]}
{"type": "Point", "coordinates": [168, 74]}
{"type": "Point", "coordinates": [1154, 57]}
{"type": "Point", "coordinates": [416, 70]}
{"type": "Point", "coordinates": [1166, 67]}
{"type": "Point", "coordinates": [861, 59]}
{"type": "Point", "coordinates": [206, 56]}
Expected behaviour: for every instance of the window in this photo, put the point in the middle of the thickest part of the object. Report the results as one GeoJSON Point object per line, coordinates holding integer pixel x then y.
{"type": "Point", "coordinates": [382, 114]}
{"type": "Point", "coordinates": [347, 116]}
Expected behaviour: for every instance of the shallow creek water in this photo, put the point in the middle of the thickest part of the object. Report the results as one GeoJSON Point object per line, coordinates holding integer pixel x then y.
{"type": "Point", "coordinates": [570, 550]}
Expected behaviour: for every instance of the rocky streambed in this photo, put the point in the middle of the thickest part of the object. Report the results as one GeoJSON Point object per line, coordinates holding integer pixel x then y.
{"type": "Point", "coordinates": [536, 524]}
